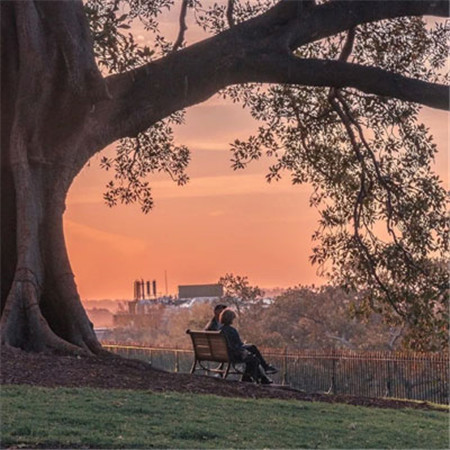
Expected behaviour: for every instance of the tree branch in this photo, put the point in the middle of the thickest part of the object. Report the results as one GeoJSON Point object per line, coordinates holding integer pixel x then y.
{"type": "Point", "coordinates": [348, 45]}
{"type": "Point", "coordinates": [256, 51]}
{"type": "Point", "coordinates": [340, 15]}
{"type": "Point", "coordinates": [183, 27]}
{"type": "Point", "coordinates": [276, 68]}
{"type": "Point", "coordinates": [230, 12]}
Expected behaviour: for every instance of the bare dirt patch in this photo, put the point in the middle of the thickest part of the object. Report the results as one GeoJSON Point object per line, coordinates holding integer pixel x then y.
{"type": "Point", "coordinates": [19, 367]}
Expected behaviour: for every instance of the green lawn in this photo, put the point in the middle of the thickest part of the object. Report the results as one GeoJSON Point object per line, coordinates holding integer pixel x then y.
{"type": "Point", "coordinates": [95, 418]}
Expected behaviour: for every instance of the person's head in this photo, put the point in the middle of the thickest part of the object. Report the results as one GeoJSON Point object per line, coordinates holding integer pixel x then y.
{"type": "Point", "coordinates": [227, 316]}
{"type": "Point", "coordinates": [218, 309]}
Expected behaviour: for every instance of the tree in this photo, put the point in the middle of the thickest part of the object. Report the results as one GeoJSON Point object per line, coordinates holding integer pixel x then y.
{"type": "Point", "coordinates": [238, 291]}
{"type": "Point", "coordinates": [318, 318]}
{"type": "Point", "coordinates": [59, 110]}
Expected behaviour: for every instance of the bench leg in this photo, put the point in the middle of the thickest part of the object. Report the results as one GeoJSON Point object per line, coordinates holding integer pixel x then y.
{"type": "Point", "coordinates": [194, 366]}
{"type": "Point", "coordinates": [225, 373]}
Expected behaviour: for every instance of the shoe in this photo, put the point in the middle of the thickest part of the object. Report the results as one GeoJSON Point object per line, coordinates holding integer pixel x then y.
{"type": "Point", "coordinates": [271, 369]}
{"type": "Point", "coordinates": [266, 380]}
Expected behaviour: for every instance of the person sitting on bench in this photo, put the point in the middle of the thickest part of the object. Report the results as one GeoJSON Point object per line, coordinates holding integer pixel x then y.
{"type": "Point", "coordinates": [214, 324]}
{"type": "Point", "coordinates": [256, 368]}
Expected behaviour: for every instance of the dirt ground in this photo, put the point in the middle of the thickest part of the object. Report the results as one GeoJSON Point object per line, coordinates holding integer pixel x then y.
{"type": "Point", "coordinates": [19, 367]}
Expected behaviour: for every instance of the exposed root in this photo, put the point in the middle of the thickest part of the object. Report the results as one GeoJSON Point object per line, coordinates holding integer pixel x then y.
{"type": "Point", "coordinates": [24, 326]}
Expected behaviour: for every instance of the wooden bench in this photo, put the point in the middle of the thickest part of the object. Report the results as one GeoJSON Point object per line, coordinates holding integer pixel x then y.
{"type": "Point", "coordinates": [211, 346]}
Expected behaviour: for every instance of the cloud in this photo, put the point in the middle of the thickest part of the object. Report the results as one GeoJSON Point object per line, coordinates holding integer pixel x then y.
{"type": "Point", "coordinates": [195, 144]}
{"type": "Point", "coordinates": [115, 242]}
{"type": "Point", "coordinates": [217, 213]}
{"type": "Point", "coordinates": [213, 186]}
{"type": "Point", "coordinates": [224, 185]}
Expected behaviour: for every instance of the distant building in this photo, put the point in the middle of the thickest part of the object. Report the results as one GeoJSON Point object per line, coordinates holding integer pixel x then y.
{"type": "Point", "coordinates": [101, 333]}
{"type": "Point", "coordinates": [200, 290]}
{"type": "Point", "coordinates": [144, 313]}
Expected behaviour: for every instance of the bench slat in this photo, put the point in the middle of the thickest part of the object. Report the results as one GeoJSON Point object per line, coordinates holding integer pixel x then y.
{"type": "Point", "coordinates": [210, 346]}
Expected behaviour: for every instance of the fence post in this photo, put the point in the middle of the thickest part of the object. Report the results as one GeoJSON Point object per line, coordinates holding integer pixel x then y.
{"type": "Point", "coordinates": [177, 361]}
{"type": "Point", "coordinates": [284, 379]}
{"type": "Point", "coordinates": [333, 388]}
{"type": "Point", "coordinates": [389, 377]}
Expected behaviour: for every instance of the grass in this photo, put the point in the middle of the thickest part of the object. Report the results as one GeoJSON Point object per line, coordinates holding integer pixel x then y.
{"type": "Point", "coordinates": [95, 418]}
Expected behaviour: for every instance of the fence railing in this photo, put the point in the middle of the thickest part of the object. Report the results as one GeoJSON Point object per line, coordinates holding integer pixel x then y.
{"type": "Point", "coordinates": [417, 376]}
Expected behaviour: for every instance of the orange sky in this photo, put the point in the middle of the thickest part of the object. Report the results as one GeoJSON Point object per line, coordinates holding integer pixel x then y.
{"type": "Point", "coordinates": [222, 221]}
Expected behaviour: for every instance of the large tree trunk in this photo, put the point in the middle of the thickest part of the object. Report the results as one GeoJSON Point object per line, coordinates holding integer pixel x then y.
{"type": "Point", "coordinates": [41, 306]}
{"type": "Point", "coordinates": [44, 104]}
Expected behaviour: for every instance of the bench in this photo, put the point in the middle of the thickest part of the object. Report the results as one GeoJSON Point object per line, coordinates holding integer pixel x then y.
{"type": "Point", "coordinates": [211, 346]}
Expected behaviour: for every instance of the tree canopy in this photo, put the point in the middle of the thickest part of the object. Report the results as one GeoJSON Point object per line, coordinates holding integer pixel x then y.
{"type": "Point", "coordinates": [335, 85]}
{"type": "Point", "coordinates": [238, 292]}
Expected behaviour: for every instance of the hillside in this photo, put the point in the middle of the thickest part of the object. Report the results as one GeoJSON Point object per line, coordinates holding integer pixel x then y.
{"type": "Point", "coordinates": [113, 372]}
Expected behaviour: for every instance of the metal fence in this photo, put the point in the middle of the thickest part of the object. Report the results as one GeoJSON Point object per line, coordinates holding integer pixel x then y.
{"type": "Point", "coordinates": [417, 376]}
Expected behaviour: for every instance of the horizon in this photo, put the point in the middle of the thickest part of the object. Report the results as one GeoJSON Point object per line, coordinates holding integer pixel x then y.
{"type": "Point", "coordinates": [266, 290]}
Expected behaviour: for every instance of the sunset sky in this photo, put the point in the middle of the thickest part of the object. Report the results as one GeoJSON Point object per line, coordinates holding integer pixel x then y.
{"type": "Point", "coordinates": [222, 221]}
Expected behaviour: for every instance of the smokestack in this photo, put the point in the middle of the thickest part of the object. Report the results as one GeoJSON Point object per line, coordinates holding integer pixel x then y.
{"type": "Point", "coordinates": [143, 289]}
{"type": "Point", "coordinates": [154, 288]}
{"type": "Point", "coordinates": [149, 292]}
{"type": "Point", "coordinates": [165, 280]}
{"type": "Point", "coordinates": [136, 290]}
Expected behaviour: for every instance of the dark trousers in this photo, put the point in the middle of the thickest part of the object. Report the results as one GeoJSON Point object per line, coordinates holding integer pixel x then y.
{"type": "Point", "coordinates": [253, 349]}
{"type": "Point", "coordinates": [251, 366]}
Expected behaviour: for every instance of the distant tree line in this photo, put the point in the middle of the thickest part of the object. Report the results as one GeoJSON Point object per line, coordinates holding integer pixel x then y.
{"type": "Point", "coordinates": [303, 317]}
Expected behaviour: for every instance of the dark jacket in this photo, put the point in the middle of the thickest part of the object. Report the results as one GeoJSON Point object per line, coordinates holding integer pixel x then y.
{"type": "Point", "coordinates": [213, 325]}
{"type": "Point", "coordinates": [235, 345]}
